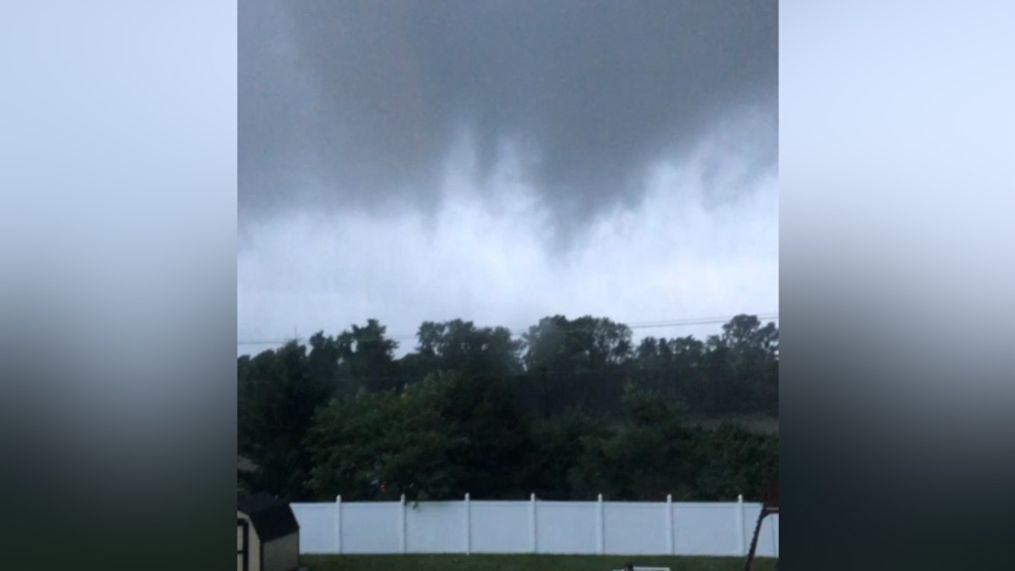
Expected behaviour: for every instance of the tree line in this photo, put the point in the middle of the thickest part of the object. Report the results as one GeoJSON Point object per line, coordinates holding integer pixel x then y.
{"type": "Point", "coordinates": [569, 409]}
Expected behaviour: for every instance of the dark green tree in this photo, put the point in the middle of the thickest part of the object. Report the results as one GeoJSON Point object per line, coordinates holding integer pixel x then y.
{"type": "Point", "coordinates": [461, 346]}
{"type": "Point", "coordinates": [439, 438]}
{"type": "Point", "coordinates": [578, 362]}
{"type": "Point", "coordinates": [366, 357]}
{"type": "Point", "coordinates": [277, 398]}
{"type": "Point", "coordinates": [647, 456]}
{"type": "Point", "coordinates": [570, 410]}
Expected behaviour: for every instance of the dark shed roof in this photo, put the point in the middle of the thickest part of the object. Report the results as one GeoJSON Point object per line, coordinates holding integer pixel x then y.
{"type": "Point", "coordinates": [272, 518]}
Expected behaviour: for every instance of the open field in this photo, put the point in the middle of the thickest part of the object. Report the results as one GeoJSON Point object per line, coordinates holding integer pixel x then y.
{"type": "Point", "coordinates": [521, 563]}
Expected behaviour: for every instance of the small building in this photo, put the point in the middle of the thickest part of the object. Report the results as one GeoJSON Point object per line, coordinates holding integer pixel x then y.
{"type": "Point", "coordinates": [267, 535]}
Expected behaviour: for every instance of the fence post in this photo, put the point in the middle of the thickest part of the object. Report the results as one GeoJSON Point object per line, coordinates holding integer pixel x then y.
{"type": "Point", "coordinates": [402, 524]}
{"type": "Point", "coordinates": [534, 540]}
{"type": "Point", "coordinates": [670, 544]}
{"type": "Point", "coordinates": [338, 523]}
{"type": "Point", "coordinates": [741, 545]}
{"type": "Point", "coordinates": [468, 525]}
{"type": "Point", "coordinates": [600, 526]}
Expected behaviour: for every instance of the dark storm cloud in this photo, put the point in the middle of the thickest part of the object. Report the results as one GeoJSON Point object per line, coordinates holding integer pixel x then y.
{"type": "Point", "coordinates": [358, 104]}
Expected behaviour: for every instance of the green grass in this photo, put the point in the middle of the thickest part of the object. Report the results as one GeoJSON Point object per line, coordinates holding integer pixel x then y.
{"type": "Point", "coordinates": [522, 563]}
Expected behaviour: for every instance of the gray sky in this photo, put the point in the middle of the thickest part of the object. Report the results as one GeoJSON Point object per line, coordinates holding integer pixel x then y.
{"type": "Point", "coordinates": [502, 161]}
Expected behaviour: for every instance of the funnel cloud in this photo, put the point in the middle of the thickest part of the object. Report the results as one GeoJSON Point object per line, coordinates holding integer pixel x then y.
{"type": "Point", "coordinates": [361, 104]}
{"type": "Point", "coordinates": [529, 149]}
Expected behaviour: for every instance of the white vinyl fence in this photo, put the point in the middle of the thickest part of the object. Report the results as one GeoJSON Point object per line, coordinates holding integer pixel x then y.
{"type": "Point", "coordinates": [535, 526]}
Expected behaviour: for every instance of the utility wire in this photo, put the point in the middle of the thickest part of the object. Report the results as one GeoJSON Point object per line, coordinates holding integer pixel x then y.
{"type": "Point", "coordinates": [678, 322]}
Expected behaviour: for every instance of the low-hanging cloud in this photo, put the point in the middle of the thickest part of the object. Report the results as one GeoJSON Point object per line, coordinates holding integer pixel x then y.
{"type": "Point", "coordinates": [669, 257]}
{"type": "Point", "coordinates": [353, 105]}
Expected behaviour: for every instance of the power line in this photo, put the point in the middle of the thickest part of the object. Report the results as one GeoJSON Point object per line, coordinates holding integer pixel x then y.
{"type": "Point", "coordinates": [697, 321]}
{"type": "Point", "coordinates": [677, 322]}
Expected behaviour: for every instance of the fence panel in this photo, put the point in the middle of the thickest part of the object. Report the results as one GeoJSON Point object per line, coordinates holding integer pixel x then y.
{"type": "Point", "coordinates": [636, 528]}
{"type": "Point", "coordinates": [500, 527]}
{"type": "Point", "coordinates": [621, 528]}
{"type": "Point", "coordinates": [435, 527]}
{"type": "Point", "coordinates": [317, 527]}
{"type": "Point", "coordinates": [707, 529]}
{"type": "Point", "coordinates": [371, 527]}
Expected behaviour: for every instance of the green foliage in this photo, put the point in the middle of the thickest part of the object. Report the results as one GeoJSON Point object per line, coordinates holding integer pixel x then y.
{"type": "Point", "coordinates": [570, 410]}
{"type": "Point", "coordinates": [558, 448]}
{"type": "Point", "coordinates": [378, 445]}
{"type": "Point", "coordinates": [646, 456]}
{"type": "Point", "coordinates": [575, 363]}
{"type": "Point", "coordinates": [277, 398]}
{"type": "Point", "coordinates": [429, 441]}
{"type": "Point", "coordinates": [461, 346]}
{"type": "Point", "coordinates": [732, 460]}
{"type": "Point", "coordinates": [586, 343]}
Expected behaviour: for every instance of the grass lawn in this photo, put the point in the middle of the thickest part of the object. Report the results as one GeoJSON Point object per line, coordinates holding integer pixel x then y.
{"type": "Point", "coordinates": [522, 563]}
